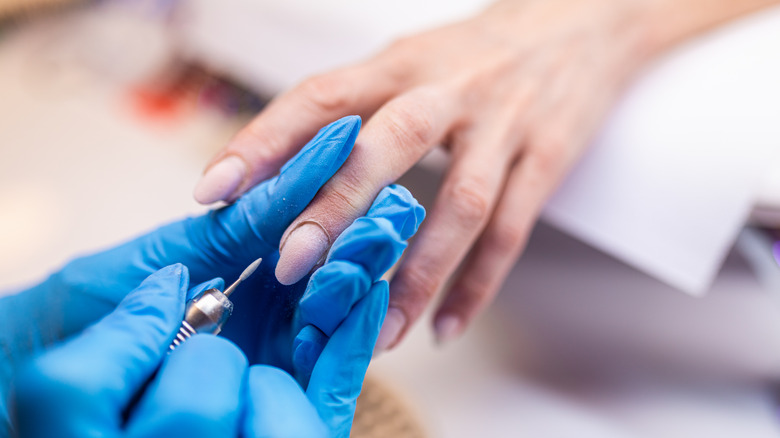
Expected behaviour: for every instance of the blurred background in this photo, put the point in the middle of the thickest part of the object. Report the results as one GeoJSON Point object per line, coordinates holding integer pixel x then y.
{"type": "Point", "coordinates": [109, 111]}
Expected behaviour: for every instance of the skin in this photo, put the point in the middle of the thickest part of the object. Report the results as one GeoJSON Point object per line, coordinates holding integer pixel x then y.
{"type": "Point", "coordinates": [514, 94]}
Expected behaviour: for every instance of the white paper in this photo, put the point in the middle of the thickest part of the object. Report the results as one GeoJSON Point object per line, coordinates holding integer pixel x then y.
{"type": "Point", "coordinates": [673, 176]}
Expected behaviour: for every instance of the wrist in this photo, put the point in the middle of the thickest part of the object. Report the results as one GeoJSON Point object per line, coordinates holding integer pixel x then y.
{"type": "Point", "coordinates": [670, 22]}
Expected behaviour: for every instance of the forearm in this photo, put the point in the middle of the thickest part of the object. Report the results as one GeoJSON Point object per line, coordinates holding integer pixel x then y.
{"type": "Point", "coordinates": [673, 21]}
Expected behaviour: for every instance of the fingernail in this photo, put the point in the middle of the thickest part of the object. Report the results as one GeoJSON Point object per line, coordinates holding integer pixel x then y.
{"type": "Point", "coordinates": [447, 328]}
{"type": "Point", "coordinates": [395, 320]}
{"type": "Point", "coordinates": [302, 250]}
{"type": "Point", "coordinates": [221, 180]}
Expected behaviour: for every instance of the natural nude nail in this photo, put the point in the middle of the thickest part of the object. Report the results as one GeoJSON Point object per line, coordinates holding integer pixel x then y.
{"type": "Point", "coordinates": [221, 180]}
{"type": "Point", "coordinates": [447, 328]}
{"type": "Point", "coordinates": [302, 250]}
{"type": "Point", "coordinates": [395, 320]}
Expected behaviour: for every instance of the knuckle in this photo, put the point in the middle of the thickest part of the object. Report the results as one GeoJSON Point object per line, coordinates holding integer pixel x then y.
{"type": "Point", "coordinates": [471, 296]}
{"type": "Point", "coordinates": [472, 291]}
{"type": "Point", "coordinates": [401, 43]}
{"type": "Point", "coordinates": [507, 237]}
{"type": "Point", "coordinates": [483, 77]}
{"type": "Point", "coordinates": [421, 284]}
{"type": "Point", "coordinates": [398, 63]}
{"type": "Point", "coordinates": [469, 200]}
{"type": "Point", "coordinates": [328, 92]}
{"type": "Point", "coordinates": [346, 198]}
{"type": "Point", "coordinates": [258, 132]}
{"type": "Point", "coordinates": [549, 154]}
{"type": "Point", "coordinates": [412, 120]}
{"type": "Point", "coordinates": [403, 48]}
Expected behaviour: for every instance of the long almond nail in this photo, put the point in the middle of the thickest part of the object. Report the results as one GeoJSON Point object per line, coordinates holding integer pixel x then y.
{"type": "Point", "coordinates": [447, 328]}
{"type": "Point", "coordinates": [395, 320]}
{"type": "Point", "coordinates": [302, 250]}
{"type": "Point", "coordinates": [221, 180]}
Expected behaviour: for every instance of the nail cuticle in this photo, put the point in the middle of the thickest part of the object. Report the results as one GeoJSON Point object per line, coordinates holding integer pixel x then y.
{"type": "Point", "coordinates": [299, 225]}
{"type": "Point", "coordinates": [302, 251]}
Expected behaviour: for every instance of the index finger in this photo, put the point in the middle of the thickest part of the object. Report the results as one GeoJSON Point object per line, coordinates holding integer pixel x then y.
{"type": "Point", "coordinates": [392, 142]}
{"type": "Point", "coordinates": [260, 148]}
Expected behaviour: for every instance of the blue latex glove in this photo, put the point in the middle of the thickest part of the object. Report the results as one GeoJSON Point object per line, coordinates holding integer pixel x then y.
{"type": "Point", "coordinates": [221, 244]}
{"type": "Point", "coordinates": [83, 387]}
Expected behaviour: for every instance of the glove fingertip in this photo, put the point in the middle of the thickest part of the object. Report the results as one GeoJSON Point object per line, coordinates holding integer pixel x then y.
{"type": "Point", "coordinates": [419, 214]}
{"type": "Point", "coordinates": [214, 283]}
{"type": "Point", "coordinates": [154, 294]}
{"type": "Point", "coordinates": [382, 289]}
{"type": "Point", "coordinates": [397, 204]}
{"type": "Point", "coordinates": [371, 242]}
{"type": "Point", "coordinates": [351, 126]}
{"type": "Point", "coordinates": [342, 134]}
{"type": "Point", "coordinates": [288, 194]}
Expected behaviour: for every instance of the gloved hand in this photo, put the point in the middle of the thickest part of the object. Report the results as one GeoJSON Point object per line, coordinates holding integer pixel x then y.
{"type": "Point", "coordinates": [85, 386]}
{"type": "Point", "coordinates": [221, 244]}
{"type": "Point", "coordinates": [290, 328]}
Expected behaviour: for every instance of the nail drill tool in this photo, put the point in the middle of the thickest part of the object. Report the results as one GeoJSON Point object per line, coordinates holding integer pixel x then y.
{"type": "Point", "coordinates": [208, 312]}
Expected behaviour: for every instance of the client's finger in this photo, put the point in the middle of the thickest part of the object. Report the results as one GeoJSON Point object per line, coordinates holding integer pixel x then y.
{"type": "Point", "coordinates": [496, 251]}
{"type": "Point", "coordinates": [223, 242]}
{"type": "Point", "coordinates": [359, 257]}
{"type": "Point", "coordinates": [240, 233]}
{"type": "Point", "coordinates": [283, 127]}
{"type": "Point", "coordinates": [393, 140]}
{"type": "Point", "coordinates": [463, 207]}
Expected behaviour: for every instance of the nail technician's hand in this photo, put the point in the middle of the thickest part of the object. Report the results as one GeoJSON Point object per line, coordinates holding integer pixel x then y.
{"type": "Point", "coordinates": [326, 336]}
{"type": "Point", "coordinates": [95, 383]}
{"type": "Point", "coordinates": [220, 243]}
{"type": "Point", "coordinates": [294, 328]}
{"type": "Point", "coordinates": [514, 94]}
{"type": "Point", "coordinates": [85, 386]}
{"type": "Point", "coordinates": [288, 325]}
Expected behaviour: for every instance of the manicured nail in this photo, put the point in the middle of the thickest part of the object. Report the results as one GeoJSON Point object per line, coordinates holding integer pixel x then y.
{"type": "Point", "coordinates": [447, 328]}
{"type": "Point", "coordinates": [302, 250]}
{"type": "Point", "coordinates": [395, 320]}
{"type": "Point", "coordinates": [221, 180]}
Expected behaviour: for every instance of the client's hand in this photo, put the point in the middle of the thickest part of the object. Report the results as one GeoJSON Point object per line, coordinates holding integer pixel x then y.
{"type": "Point", "coordinates": [514, 93]}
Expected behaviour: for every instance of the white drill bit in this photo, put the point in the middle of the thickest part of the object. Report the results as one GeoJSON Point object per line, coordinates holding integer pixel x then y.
{"type": "Point", "coordinates": [244, 275]}
{"type": "Point", "coordinates": [209, 311]}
